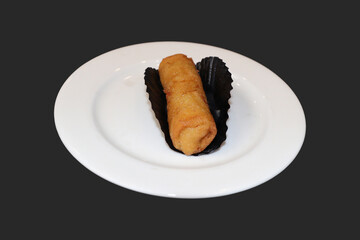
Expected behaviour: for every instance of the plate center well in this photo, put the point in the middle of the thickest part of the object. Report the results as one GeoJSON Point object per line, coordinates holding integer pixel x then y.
{"type": "Point", "coordinates": [123, 115]}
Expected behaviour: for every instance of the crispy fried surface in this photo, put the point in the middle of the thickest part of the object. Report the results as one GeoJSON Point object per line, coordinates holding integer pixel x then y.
{"type": "Point", "coordinates": [192, 127]}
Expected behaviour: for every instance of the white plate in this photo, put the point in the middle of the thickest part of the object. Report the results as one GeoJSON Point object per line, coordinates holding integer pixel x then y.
{"type": "Point", "coordinates": [104, 118]}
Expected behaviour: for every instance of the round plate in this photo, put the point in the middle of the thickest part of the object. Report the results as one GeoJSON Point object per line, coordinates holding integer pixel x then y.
{"type": "Point", "coordinates": [104, 118]}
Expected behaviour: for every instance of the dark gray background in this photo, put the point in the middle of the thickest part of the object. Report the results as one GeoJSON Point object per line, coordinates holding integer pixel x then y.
{"type": "Point", "coordinates": [48, 194]}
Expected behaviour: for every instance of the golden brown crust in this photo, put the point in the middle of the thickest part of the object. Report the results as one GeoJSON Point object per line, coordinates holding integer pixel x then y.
{"type": "Point", "coordinates": [191, 125]}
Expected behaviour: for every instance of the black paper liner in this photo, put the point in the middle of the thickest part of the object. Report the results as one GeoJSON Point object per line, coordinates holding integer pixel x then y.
{"type": "Point", "coordinates": [216, 80]}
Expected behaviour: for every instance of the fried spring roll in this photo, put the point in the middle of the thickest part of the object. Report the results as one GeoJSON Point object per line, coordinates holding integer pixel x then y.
{"type": "Point", "coordinates": [191, 125]}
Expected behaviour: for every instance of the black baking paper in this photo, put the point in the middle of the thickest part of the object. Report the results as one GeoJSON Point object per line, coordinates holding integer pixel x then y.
{"type": "Point", "coordinates": [216, 80]}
